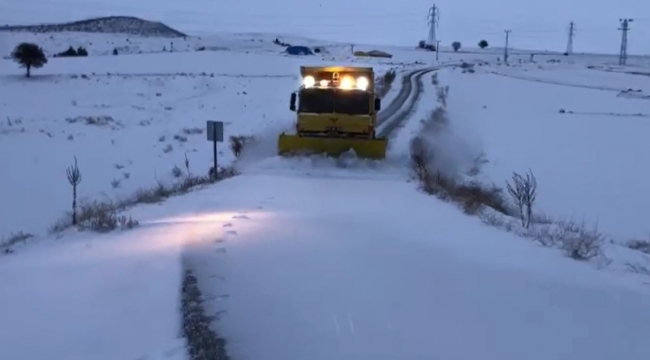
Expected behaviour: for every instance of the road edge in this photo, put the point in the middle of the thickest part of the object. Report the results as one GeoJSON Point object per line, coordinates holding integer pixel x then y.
{"type": "Point", "coordinates": [202, 342]}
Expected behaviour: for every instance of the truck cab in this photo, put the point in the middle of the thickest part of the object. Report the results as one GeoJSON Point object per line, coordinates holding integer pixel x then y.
{"type": "Point", "coordinates": [336, 102]}
{"type": "Point", "coordinates": [336, 111]}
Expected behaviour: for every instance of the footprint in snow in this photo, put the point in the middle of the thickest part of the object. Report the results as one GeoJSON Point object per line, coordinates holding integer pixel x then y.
{"type": "Point", "coordinates": [227, 225]}
{"type": "Point", "coordinates": [241, 216]}
{"type": "Point", "coordinates": [221, 250]}
{"type": "Point", "coordinates": [218, 241]}
{"type": "Point", "coordinates": [231, 232]}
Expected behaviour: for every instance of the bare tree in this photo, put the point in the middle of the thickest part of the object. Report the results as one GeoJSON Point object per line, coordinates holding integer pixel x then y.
{"type": "Point", "coordinates": [523, 192]}
{"type": "Point", "coordinates": [187, 165]}
{"type": "Point", "coordinates": [74, 178]}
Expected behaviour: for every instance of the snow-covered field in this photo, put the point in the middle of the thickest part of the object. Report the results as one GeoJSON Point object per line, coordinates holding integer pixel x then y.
{"type": "Point", "coordinates": [140, 115]}
{"type": "Point", "coordinates": [314, 258]}
{"type": "Point", "coordinates": [590, 160]}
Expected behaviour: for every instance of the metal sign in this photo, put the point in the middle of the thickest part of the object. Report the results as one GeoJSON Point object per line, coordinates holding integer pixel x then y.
{"type": "Point", "coordinates": [215, 131]}
{"type": "Point", "coordinates": [215, 134]}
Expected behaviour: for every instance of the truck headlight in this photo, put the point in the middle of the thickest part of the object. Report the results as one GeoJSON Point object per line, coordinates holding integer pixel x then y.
{"type": "Point", "coordinates": [347, 83]}
{"type": "Point", "coordinates": [309, 81]}
{"type": "Point", "coordinates": [362, 83]}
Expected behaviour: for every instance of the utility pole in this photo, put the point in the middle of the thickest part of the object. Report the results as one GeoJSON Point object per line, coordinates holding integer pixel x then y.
{"type": "Point", "coordinates": [433, 18]}
{"type": "Point", "coordinates": [625, 27]}
{"type": "Point", "coordinates": [505, 50]}
{"type": "Point", "coordinates": [437, 49]}
{"type": "Point", "coordinates": [572, 32]}
{"type": "Point", "coordinates": [3, 44]}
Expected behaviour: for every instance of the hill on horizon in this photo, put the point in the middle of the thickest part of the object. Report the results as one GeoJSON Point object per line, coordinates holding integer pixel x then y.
{"type": "Point", "coordinates": [107, 25]}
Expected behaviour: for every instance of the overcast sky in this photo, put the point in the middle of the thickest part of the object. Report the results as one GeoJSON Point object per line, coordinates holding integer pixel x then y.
{"type": "Point", "coordinates": [534, 24]}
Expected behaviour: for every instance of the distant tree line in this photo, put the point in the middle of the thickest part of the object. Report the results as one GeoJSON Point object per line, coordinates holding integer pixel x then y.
{"type": "Point", "coordinates": [72, 52]}
{"type": "Point", "coordinates": [456, 45]}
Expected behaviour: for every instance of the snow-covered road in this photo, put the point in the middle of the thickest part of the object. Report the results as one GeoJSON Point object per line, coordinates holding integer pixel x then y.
{"type": "Point", "coordinates": [323, 268]}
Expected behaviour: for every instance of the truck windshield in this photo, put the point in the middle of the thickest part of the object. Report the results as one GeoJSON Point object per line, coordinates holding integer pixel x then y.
{"type": "Point", "coordinates": [352, 102]}
{"type": "Point", "coordinates": [317, 101]}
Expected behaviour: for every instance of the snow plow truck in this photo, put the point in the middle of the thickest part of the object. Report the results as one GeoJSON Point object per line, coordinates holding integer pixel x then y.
{"type": "Point", "coordinates": [336, 111]}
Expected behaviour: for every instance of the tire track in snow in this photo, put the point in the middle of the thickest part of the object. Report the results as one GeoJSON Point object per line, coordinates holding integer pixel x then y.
{"type": "Point", "coordinates": [401, 108]}
{"type": "Point", "coordinates": [402, 97]}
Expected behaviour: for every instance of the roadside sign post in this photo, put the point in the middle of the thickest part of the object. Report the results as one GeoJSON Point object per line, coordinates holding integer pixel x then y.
{"type": "Point", "coordinates": [215, 134]}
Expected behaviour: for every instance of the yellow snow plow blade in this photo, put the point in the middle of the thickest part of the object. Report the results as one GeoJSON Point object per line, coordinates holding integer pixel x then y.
{"type": "Point", "coordinates": [364, 148]}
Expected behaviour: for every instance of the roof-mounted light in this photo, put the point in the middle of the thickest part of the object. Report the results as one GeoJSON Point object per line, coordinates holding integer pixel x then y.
{"type": "Point", "coordinates": [309, 81]}
{"type": "Point", "coordinates": [347, 83]}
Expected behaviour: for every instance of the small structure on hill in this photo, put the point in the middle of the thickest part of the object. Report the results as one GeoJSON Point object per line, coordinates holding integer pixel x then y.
{"type": "Point", "coordinates": [299, 50]}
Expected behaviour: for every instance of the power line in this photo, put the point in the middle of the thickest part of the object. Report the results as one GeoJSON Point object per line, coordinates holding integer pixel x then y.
{"type": "Point", "coordinates": [572, 32]}
{"type": "Point", "coordinates": [625, 27]}
{"type": "Point", "coordinates": [433, 18]}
